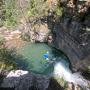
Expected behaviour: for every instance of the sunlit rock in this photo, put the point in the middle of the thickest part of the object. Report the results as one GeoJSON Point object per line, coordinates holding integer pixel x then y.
{"type": "Point", "coordinates": [16, 73]}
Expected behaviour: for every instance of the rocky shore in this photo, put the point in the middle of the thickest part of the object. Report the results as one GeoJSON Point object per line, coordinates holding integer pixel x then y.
{"type": "Point", "coordinates": [24, 80]}
{"type": "Point", "coordinates": [69, 33]}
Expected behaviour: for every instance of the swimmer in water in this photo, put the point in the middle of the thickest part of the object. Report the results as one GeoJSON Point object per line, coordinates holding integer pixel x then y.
{"type": "Point", "coordinates": [46, 56]}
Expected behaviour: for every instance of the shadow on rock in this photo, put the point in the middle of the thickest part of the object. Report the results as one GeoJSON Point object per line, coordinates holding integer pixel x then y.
{"type": "Point", "coordinates": [53, 85]}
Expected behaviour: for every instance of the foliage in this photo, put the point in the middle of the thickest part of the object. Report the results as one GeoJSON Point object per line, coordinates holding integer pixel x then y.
{"type": "Point", "coordinates": [89, 68]}
{"type": "Point", "coordinates": [1, 12]}
{"type": "Point", "coordinates": [6, 59]}
{"type": "Point", "coordinates": [8, 13]}
{"type": "Point", "coordinates": [25, 37]}
{"type": "Point", "coordinates": [59, 11]}
{"type": "Point", "coordinates": [37, 8]}
{"type": "Point", "coordinates": [2, 41]}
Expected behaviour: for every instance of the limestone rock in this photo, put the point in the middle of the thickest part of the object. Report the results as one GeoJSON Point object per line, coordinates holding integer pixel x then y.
{"type": "Point", "coordinates": [40, 33]}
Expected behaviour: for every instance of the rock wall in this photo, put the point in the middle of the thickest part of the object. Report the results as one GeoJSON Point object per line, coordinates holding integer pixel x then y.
{"type": "Point", "coordinates": [78, 55]}
{"type": "Point", "coordinates": [71, 32]}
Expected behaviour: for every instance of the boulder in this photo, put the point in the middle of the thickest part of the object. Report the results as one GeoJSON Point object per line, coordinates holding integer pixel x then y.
{"type": "Point", "coordinates": [24, 80]}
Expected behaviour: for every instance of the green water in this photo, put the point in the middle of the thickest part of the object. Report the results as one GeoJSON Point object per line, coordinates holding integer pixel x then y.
{"type": "Point", "coordinates": [31, 58]}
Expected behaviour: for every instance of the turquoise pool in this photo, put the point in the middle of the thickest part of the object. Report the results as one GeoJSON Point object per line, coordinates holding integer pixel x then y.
{"type": "Point", "coordinates": [31, 58]}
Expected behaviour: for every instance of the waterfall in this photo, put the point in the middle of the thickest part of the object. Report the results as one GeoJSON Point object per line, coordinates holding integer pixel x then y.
{"type": "Point", "coordinates": [64, 72]}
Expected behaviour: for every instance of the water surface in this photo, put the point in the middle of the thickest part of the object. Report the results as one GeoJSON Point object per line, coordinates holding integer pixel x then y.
{"type": "Point", "coordinates": [31, 58]}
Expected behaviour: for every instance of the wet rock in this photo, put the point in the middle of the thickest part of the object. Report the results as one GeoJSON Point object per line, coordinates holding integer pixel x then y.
{"type": "Point", "coordinates": [54, 85]}
{"type": "Point", "coordinates": [24, 80]}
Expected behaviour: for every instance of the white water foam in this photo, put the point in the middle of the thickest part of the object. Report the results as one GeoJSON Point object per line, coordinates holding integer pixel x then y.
{"type": "Point", "coordinates": [65, 73]}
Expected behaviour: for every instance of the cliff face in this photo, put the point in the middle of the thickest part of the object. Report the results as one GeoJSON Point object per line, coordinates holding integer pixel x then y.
{"type": "Point", "coordinates": [72, 33]}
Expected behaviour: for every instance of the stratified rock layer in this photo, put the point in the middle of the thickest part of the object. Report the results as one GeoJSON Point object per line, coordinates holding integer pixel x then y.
{"type": "Point", "coordinates": [71, 32]}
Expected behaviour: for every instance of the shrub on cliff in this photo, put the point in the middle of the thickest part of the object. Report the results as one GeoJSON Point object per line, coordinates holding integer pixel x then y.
{"type": "Point", "coordinates": [12, 10]}
{"type": "Point", "coordinates": [8, 13]}
{"type": "Point", "coordinates": [37, 8]}
{"type": "Point", "coordinates": [58, 11]}
{"type": "Point", "coordinates": [6, 59]}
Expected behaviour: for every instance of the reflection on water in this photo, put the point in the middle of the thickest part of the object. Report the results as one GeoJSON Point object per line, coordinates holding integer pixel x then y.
{"type": "Point", "coordinates": [34, 61]}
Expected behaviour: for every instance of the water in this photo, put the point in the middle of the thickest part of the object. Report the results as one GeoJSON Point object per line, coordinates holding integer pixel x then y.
{"type": "Point", "coordinates": [31, 58]}
{"type": "Point", "coordinates": [61, 71]}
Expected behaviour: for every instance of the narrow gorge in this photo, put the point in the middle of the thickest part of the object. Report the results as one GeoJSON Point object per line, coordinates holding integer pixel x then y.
{"type": "Point", "coordinates": [45, 45]}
